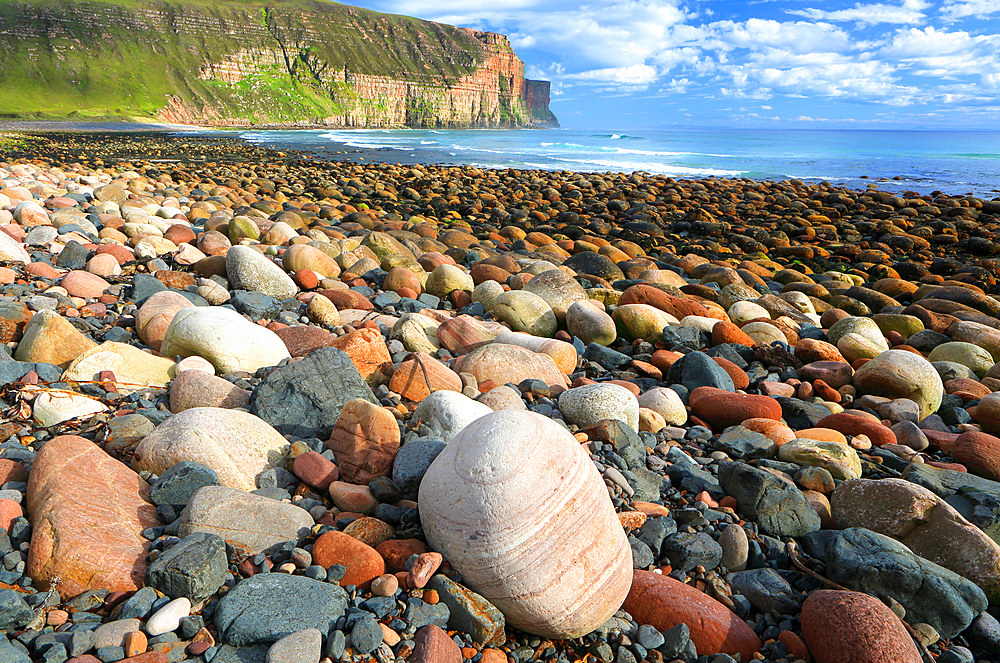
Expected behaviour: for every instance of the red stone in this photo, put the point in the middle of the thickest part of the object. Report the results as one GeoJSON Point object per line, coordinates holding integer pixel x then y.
{"type": "Point", "coordinates": [395, 552]}
{"type": "Point", "coordinates": [722, 409]}
{"type": "Point", "coordinates": [726, 332]}
{"type": "Point", "coordinates": [348, 299]}
{"type": "Point", "coordinates": [412, 382]}
{"type": "Point", "coordinates": [737, 374]}
{"type": "Point", "coordinates": [306, 279]}
{"type": "Point", "coordinates": [662, 602]}
{"type": "Point", "coordinates": [834, 373]}
{"type": "Point", "coordinates": [675, 306]}
{"type": "Point", "coordinates": [810, 350]}
{"type": "Point", "coordinates": [980, 452]}
{"type": "Point", "coordinates": [9, 511]}
{"type": "Point", "coordinates": [363, 562]}
{"type": "Point", "coordinates": [851, 424]}
{"type": "Point", "coordinates": [303, 339]}
{"type": "Point", "coordinates": [86, 505]}
{"type": "Point", "coordinates": [841, 626]}
{"type": "Point", "coordinates": [364, 441]}
{"type": "Point", "coordinates": [368, 352]}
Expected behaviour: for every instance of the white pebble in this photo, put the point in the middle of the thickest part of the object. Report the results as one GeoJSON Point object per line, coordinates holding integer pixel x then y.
{"type": "Point", "coordinates": [168, 618]}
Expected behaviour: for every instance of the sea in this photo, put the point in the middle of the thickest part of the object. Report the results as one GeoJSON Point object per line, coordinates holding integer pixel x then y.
{"type": "Point", "coordinates": [953, 162]}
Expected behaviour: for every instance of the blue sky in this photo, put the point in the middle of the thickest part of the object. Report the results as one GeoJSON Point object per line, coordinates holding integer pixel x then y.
{"type": "Point", "coordinates": [812, 64]}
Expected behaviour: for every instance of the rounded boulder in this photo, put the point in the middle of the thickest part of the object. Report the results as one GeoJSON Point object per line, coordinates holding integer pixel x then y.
{"type": "Point", "coordinates": [515, 505]}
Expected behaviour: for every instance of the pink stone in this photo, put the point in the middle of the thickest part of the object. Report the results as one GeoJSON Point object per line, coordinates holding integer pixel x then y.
{"type": "Point", "coordinates": [79, 283]}
{"type": "Point", "coordinates": [425, 566]}
{"type": "Point", "coordinates": [315, 469]}
{"type": "Point", "coordinates": [104, 264]}
{"type": "Point", "coordinates": [9, 511]}
{"type": "Point", "coordinates": [349, 497]}
{"type": "Point", "coordinates": [154, 316]}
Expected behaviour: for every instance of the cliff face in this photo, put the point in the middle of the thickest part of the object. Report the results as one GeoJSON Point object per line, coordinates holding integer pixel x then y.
{"type": "Point", "coordinates": [284, 63]}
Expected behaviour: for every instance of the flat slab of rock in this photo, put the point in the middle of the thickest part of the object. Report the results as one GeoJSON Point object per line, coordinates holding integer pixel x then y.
{"type": "Point", "coordinates": [86, 506]}
{"type": "Point", "coordinates": [249, 523]}
{"type": "Point", "coordinates": [270, 606]}
{"type": "Point", "coordinates": [134, 369]}
{"type": "Point", "coordinates": [305, 397]}
{"type": "Point", "coordinates": [237, 445]}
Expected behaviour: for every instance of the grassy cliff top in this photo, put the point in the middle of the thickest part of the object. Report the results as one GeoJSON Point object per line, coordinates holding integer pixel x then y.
{"type": "Point", "coordinates": [127, 58]}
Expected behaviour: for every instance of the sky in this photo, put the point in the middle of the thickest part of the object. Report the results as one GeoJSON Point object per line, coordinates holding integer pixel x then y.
{"type": "Point", "coordinates": [809, 64]}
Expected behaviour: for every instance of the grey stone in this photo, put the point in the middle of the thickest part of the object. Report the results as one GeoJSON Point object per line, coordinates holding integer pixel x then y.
{"type": "Point", "coordinates": [73, 256]}
{"type": "Point", "coordinates": [412, 461]}
{"type": "Point", "coordinates": [366, 635]}
{"type": "Point", "coordinates": [649, 637]}
{"type": "Point", "coordinates": [14, 610]}
{"type": "Point", "coordinates": [742, 443]}
{"type": "Point", "coordinates": [10, 653]}
{"type": "Point", "coordinates": [766, 590]}
{"type": "Point", "coordinates": [420, 614]}
{"type": "Point", "coordinates": [257, 305]}
{"type": "Point", "coordinates": [180, 482]}
{"type": "Point", "coordinates": [230, 654]}
{"type": "Point", "coordinates": [305, 397]}
{"type": "Point", "coordinates": [268, 606]}
{"type": "Point", "coordinates": [335, 645]}
{"type": "Point", "coordinates": [470, 612]}
{"type": "Point", "coordinates": [686, 550]}
{"type": "Point", "coordinates": [80, 643]}
{"type": "Point", "coordinates": [777, 506]}
{"type": "Point", "coordinates": [697, 369]}
{"type": "Point", "coordinates": [654, 530]}
{"type": "Point", "coordinates": [194, 568]}
{"type": "Point", "coordinates": [646, 484]}
{"type": "Point", "coordinates": [869, 562]}
{"type": "Point", "coordinates": [642, 555]}
{"type": "Point", "coordinates": [985, 633]}
{"type": "Point", "coordinates": [112, 634]}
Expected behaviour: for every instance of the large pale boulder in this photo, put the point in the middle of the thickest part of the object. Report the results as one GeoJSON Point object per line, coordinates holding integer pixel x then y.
{"type": "Point", "coordinates": [558, 289]}
{"type": "Point", "coordinates": [591, 403]}
{"type": "Point", "coordinates": [237, 445]}
{"type": "Point", "coordinates": [87, 510]}
{"type": "Point", "coordinates": [247, 522]}
{"type": "Point", "coordinates": [901, 374]}
{"type": "Point", "coordinates": [223, 337]}
{"type": "Point", "coordinates": [134, 369]}
{"type": "Point", "coordinates": [503, 363]}
{"type": "Point", "coordinates": [50, 338]}
{"type": "Point", "coordinates": [249, 269]}
{"type": "Point", "coordinates": [525, 312]}
{"type": "Point", "coordinates": [515, 505]}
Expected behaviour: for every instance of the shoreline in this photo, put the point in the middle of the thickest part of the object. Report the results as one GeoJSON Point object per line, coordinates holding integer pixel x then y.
{"type": "Point", "coordinates": [338, 152]}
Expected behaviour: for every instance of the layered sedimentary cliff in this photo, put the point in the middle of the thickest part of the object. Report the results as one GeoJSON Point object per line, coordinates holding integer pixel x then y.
{"type": "Point", "coordinates": [286, 62]}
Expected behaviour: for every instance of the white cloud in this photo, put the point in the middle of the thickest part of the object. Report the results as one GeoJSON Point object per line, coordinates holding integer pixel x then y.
{"type": "Point", "coordinates": [953, 11]}
{"type": "Point", "coordinates": [831, 53]}
{"type": "Point", "coordinates": [909, 13]}
{"type": "Point", "coordinates": [639, 74]}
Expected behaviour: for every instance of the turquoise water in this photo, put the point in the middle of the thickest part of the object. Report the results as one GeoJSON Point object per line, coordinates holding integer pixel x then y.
{"type": "Point", "coordinates": [955, 162]}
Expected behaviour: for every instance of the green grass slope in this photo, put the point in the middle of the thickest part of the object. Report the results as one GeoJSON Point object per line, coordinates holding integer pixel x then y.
{"type": "Point", "coordinates": [133, 58]}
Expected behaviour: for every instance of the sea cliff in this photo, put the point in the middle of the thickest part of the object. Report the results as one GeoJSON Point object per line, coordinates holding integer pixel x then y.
{"type": "Point", "coordinates": [285, 63]}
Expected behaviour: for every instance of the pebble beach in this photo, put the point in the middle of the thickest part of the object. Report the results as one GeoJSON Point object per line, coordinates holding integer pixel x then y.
{"type": "Point", "coordinates": [258, 406]}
